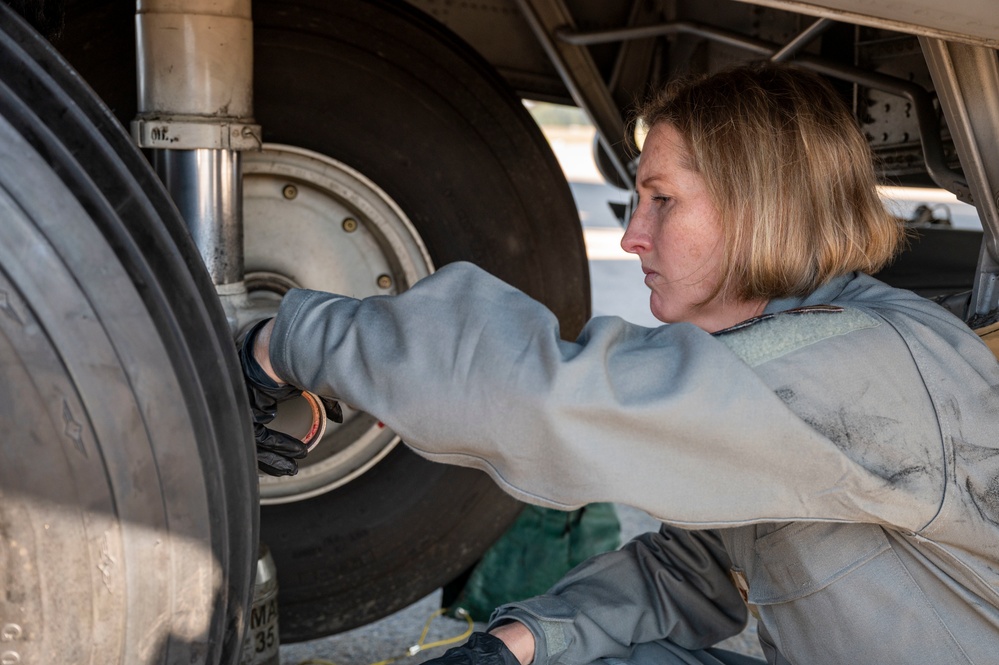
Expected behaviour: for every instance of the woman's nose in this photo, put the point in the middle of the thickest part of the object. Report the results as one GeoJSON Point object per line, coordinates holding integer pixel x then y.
{"type": "Point", "coordinates": [635, 239]}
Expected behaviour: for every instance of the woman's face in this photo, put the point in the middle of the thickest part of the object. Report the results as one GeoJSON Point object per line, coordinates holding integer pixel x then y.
{"type": "Point", "coordinates": [676, 231]}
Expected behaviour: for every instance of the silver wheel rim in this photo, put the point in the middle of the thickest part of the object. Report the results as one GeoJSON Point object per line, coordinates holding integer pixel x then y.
{"type": "Point", "coordinates": [312, 222]}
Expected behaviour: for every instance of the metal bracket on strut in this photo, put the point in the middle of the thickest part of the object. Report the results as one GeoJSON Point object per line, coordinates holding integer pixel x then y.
{"type": "Point", "coordinates": [185, 133]}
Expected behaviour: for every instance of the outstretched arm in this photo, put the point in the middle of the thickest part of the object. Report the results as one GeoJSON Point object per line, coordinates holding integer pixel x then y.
{"type": "Point", "coordinates": [672, 420]}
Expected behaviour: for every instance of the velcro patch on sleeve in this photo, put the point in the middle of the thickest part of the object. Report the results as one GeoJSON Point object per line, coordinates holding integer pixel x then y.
{"type": "Point", "coordinates": [765, 338]}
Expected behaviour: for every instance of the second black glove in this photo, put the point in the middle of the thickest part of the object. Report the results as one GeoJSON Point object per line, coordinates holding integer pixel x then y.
{"type": "Point", "coordinates": [480, 649]}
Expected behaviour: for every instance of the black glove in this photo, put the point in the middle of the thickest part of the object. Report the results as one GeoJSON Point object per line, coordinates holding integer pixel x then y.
{"type": "Point", "coordinates": [480, 649]}
{"type": "Point", "coordinates": [276, 451]}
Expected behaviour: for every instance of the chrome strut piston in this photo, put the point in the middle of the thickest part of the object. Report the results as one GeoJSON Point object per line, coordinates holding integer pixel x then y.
{"type": "Point", "coordinates": [195, 116]}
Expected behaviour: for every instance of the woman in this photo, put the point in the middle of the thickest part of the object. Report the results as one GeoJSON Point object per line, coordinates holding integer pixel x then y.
{"type": "Point", "coordinates": [817, 444]}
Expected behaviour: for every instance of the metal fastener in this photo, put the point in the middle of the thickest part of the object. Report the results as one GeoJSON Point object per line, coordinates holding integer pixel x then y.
{"type": "Point", "coordinates": [350, 225]}
{"type": "Point", "coordinates": [384, 281]}
{"type": "Point", "coordinates": [290, 192]}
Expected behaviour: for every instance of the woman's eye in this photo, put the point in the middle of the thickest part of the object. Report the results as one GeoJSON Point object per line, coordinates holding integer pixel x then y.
{"type": "Point", "coordinates": [662, 199]}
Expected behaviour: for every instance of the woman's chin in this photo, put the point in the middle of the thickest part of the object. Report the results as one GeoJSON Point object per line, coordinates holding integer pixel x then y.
{"type": "Point", "coordinates": [660, 310]}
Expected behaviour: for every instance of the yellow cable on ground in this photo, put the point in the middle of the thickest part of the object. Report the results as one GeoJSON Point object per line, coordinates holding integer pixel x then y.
{"type": "Point", "coordinates": [440, 643]}
{"type": "Point", "coordinates": [419, 646]}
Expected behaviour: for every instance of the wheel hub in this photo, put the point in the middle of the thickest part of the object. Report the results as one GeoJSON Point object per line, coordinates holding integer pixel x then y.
{"type": "Point", "coordinates": [312, 222]}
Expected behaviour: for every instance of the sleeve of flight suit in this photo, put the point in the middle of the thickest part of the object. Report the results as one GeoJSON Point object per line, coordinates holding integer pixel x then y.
{"type": "Point", "coordinates": [671, 585]}
{"type": "Point", "coordinates": [672, 420]}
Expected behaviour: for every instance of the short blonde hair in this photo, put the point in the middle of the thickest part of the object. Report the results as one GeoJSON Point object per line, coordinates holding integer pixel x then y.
{"type": "Point", "coordinates": [790, 173]}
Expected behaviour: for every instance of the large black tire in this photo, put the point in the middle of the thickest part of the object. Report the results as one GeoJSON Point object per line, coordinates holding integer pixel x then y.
{"type": "Point", "coordinates": [401, 100]}
{"type": "Point", "coordinates": [128, 512]}
{"type": "Point", "coordinates": [397, 97]}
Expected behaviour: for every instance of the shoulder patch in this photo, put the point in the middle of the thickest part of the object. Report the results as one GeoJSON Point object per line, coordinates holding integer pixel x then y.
{"type": "Point", "coordinates": [770, 336]}
{"type": "Point", "coordinates": [810, 309]}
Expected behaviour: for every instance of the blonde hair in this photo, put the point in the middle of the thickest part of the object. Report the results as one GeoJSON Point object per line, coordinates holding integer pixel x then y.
{"type": "Point", "coordinates": [790, 173]}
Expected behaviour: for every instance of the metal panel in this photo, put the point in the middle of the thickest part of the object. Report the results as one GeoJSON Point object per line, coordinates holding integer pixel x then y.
{"type": "Point", "coordinates": [969, 21]}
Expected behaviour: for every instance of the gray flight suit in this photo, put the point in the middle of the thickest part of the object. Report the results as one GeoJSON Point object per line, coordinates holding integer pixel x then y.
{"type": "Point", "coordinates": [836, 459]}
